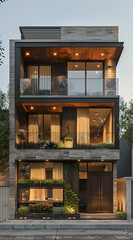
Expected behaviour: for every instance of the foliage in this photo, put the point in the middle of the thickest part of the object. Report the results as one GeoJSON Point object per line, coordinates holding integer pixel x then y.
{"type": "Point", "coordinates": [4, 129]}
{"type": "Point", "coordinates": [46, 145]}
{"type": "Point", "coordinates": [126, 121]}
{"type": "Point", "coordinates": [1, 1]}
{"type": "Point", "coordinates": [70, 166]}
{"type": "Point", "coordinates": [23, 210]}
{"type": "Point", "coordinates": [68, 139]}
{"type": "Point", "coordinates": [84, 146]}
{"type": "Point", "coordinates": [71, 200]}
{"type": "Point", "coordinates": [40, 208]}
{"type": "Point", "coordinates": [61, 144]}
{"type": "Point", "coordinates": [105, 145]}
{"type": "Point", "coordinates": [1, 48]}
{"type": "Point", "coordinates": [121, 215]}
{"type": "Point", "coordinates": [46, 181]}
{"type": "Point", "coordinates": [59, 210]}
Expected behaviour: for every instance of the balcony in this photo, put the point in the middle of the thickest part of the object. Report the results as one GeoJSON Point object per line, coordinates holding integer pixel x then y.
{"type": "Point", "coordinates": [60, 86]}
{"type": "Point", "coordinates": [75, 140]}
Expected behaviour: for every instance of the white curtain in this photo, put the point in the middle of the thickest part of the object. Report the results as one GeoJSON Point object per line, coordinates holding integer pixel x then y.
{"type": "Point", "coordinates": [37, 172]}
{"type": "Point", "coordinates": [58, 174]}
{"type": "Point", "coordinates": [45, 78]}
{"type": "Point", "coordinates": [55, 128]}
{"type": "Point", "coordinates": [33, 75]}
{"type": "Point", "coordinates": [33, 129]}
{"type": "Point", "coordinates": [83, 126]}
{"type": "Point", "coordinates": [107, 129]}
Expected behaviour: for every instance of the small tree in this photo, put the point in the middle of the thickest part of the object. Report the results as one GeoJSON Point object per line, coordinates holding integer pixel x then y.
{"type": "Point", "coordinates": [1, 48]}
{"type": "Point", "coordinates": [4, 130]}
{"type": "Point", "coordinates": [126, 121]}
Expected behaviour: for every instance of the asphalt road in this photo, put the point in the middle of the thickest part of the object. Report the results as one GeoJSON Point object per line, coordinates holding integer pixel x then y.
{"type": "Point", "coordinates": [65, 235]}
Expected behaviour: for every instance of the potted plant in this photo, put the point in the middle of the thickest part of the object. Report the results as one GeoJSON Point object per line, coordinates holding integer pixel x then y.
{"type": "Point", "coordinates": [68, 141]}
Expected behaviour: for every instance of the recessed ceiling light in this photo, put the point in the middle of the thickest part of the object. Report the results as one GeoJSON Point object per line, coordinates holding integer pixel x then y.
{"type": "Point", "coordinates": [27, 53]}
{"type": "Point", "coordinates": [35, 72]}
{"type": "Point", "coordinates": [46, 160]}
{"type": "Point", "coordinates": [76, 54]}
{"type": "Point", "coordinates": [96, 72]}
{"type": "Point", "coordinates": [31, 107]}
{"type": "Point", "coordinates": [98, 65]}
{"type": "Point", "coordinates": [102, 160]}
{"type": "Point", "coordinates": [76, 65]}
{"type": "Point", "coordinates": [102, 54]}
{"type": "Point", "coordinates": [96, 113]}
{"type": "Point", "coordinates": [55, 53]}
{"type": "Point", "coordinates": [94, 120]}
{"type": "Point", "coordinates": [54, 108]}
{"type": "Point", "coordinates": [79, 160]}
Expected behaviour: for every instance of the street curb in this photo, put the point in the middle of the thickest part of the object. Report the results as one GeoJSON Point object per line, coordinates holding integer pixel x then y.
{"type": "Point", "coordinates": [65, 226]}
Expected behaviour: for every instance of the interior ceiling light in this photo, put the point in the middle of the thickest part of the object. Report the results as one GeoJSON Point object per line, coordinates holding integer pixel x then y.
{"type": "Point", "coordinates": [102, 54]}
{"type": "Point", "coordinates": [96, 72]}
{"type": "Point", "coordinates": [54, 108]}
{"type": "Point", "coordinates": [31, 107]}
{"type": "Point", "coordinates": [94, 120]}
{"type": "Point", "coordinates": [46, 160]}
{"type": "Point", "coordinates": [76, 65]}
{"type": "Point", "coordinates": [55, 53]}
{"type": "Point", "coordinates": [27, 53]}
{"type": "Point", "coordinates": [96, 113]}
{"type": "Point", "coordinates": [79, 160]}
{"type": "Point", "coordinates": [98, 66]}
{"type": "Point", "coordinates": [76, 54]}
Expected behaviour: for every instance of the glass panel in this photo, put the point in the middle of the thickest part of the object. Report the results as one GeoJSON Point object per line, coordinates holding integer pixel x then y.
{"type": "Point", "coordinates": [76, 78]}
{"type": "Point", "coordinates": [82, 175]}
{"type": "Point", "coordinates": [99, 167]}
{"type": "Point", "coordinates": [35, 128]}
{"type": "Point", "coordinates": [83, 167]}
{"type": "Point", "coordinates": [45, 80]}
{"type": "Point", "coordinates": [94, 74]}
{"type": "Point", "coordinates": [101, 126]}
{"type": "Point", "coordinates": [33, 75]}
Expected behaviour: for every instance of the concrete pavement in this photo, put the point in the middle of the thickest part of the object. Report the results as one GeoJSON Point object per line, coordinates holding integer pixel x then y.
{"type": "Point", "coordinates": [66, 224]}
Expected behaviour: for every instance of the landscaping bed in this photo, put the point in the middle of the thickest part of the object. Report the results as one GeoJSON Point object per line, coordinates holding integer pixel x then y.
{"type": "Point", "coordinates": [47, 216]}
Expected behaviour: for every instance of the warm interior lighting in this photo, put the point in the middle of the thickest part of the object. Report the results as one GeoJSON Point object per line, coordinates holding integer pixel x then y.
{"type": "Point", "coordinates": [46, 160]}
{"type": "Point", "coordinates": [98, 65]}
{"type": "Point", "coordinates": [96, 71]}
{"type": "Point", "coordinates": [55, 53]}
{"type": "Point", "coordinates": [94, 120]}
{"type": "Point", "coordinates": [102, 160]}
{"type": "Point", "coordinates": [79, 160]}
{"type": "Point", "coordinates": [96, 113]}
{"type": "Point", "coordinates": [76, 65]}
{"type": "Point", "coordinates": [27, 53]}
{"type": "Point", "coordinates": [54, 108]}
{"type": "Point", "coordinates": [102, 54]}
{"type": "Point", "coordinates": [76, 54]}
{"type": "Point", "coordinates": [31, 107]}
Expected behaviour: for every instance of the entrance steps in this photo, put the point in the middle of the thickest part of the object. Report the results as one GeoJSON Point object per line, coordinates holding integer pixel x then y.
{"type": "Point", "coordinates": [98, 216]}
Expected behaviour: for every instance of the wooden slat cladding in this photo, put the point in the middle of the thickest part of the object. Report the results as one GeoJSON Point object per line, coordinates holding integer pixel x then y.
{"type": "Point", "coordinates": [72, 33]}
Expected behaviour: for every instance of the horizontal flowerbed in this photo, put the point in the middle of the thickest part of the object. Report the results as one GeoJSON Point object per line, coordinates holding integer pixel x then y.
{"type": "Point", "coordinates": [48, 215]}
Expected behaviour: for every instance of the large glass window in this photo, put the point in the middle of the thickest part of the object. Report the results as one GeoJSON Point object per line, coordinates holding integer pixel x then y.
{"type": "Point", "coordinates": [76, 78]}
{"type": "Point", "coordinates": [94, 78]}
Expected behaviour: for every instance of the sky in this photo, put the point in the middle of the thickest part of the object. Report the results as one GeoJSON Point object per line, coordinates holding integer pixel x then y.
{"type": "Point", "coordinates": [15, 13]}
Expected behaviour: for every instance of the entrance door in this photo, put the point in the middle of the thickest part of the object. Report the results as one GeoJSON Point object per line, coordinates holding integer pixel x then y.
{"type": "Point", "coordinates": [100, 192]}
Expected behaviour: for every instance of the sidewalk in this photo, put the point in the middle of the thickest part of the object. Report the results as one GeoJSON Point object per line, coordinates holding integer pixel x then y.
{"type": "Point", "coordinates": [67, 224]}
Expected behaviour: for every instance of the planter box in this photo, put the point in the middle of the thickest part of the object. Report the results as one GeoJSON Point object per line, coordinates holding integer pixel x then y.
{"type": "Point", "coordinates": [47, 216]}
{"type": "Point", "coordinates": [68, 144]}
{"type": "Point", "coordinates": [46, 185]}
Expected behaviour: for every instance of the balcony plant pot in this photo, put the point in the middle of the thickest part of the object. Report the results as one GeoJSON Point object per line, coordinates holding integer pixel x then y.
{"type": "Point", "coordinates": [68, 142]}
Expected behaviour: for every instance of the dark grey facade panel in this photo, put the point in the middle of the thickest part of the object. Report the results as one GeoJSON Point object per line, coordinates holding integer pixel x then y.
{"type": "Point", "coordinates": [124, 165]}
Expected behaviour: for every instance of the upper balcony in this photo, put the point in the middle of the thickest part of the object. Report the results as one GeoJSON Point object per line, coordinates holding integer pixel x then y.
{"type": "Point", "coordinates": [61, 86]}
{"type": "Point", "coordinates": [66, 71]}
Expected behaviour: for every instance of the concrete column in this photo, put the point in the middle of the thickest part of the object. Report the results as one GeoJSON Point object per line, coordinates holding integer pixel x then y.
{"type": "Point", "coordinates": [128, 197]}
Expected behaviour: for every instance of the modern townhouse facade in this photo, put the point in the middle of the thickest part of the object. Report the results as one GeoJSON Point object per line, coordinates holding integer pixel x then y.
{"type": "Point", "coordinates": [64, 110]}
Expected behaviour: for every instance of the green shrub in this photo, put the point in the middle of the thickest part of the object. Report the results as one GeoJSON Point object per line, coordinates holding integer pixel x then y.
{"type": "Point", "coordinates": [68, 139]}
{"type": "Point", "coordinates": [23, 210]}
{"type": "Point", "coordinates": [46, 181]}
{"type": "Point", "coordinates": [121, 215]}
{"type": "Point", "coordinates": [40, 208]}
{"type": "Point", "coordinates": [71, 200]}
{"type": "Point", "coordinates": [105, 145]}
{"type": "Point", "coordinates": [84, 146]}
{"type": "Point", "coordinates": [46, 145]}
{"type": "Point", "coordinates": [61, 144]}
{"type": "Point", "coordinates": [59, 210]}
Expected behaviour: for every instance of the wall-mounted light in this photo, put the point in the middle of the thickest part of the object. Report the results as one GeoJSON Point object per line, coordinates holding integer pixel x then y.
{"type": "Point", "coordinates": [27, 53]}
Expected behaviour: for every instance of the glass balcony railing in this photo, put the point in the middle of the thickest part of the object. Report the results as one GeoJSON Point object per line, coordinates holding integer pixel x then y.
{"type": "Point", "coordinates": [52, 140]}
{"type": "Point", "coordinates": [69, 87]}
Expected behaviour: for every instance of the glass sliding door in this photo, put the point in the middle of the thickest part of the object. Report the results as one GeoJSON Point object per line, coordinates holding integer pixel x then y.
{"type": "Point", "coordinates": [45, 80]}
{"type": "Point", "coordinates": [76, 78]}
{"type": "Point", "coordinates": [94, 78]}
